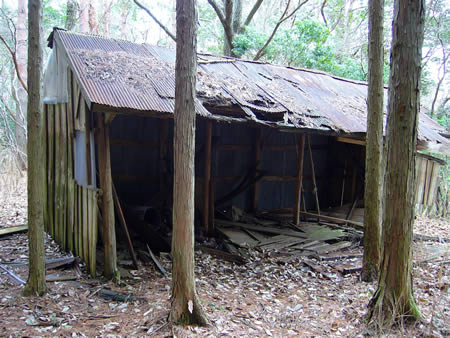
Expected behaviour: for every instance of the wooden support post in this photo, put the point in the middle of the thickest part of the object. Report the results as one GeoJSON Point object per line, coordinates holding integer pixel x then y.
{"type": "Point", "coordinates": [298, 192]}
{"type": "Point", "coordinates": [207, 176]}
{"type": "Point", "coordinates": [109, 233]}
{"type": "Point", "coordinates": [258, 140]}
{"type": "Point", "coordinates": [123, 223]}
{"type": "Point", "coordinates": [313, 177]}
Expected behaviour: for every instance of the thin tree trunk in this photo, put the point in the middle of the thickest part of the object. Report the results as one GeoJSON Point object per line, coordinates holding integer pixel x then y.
{"type": "Point", "coordinates": [374, 145]}
{"type": "Point", "coordinates": [393, 300]}
{"type": "Point", "coordinates": [36, 277]}
{"type": "Point", "coordinates": [124, 11]}
{"type": "Point", "coordinates": [186, 308]}
{"type": "Point", "coordinates": [93, 23]}
{"type": "Point", "coordinates": [21, 55]}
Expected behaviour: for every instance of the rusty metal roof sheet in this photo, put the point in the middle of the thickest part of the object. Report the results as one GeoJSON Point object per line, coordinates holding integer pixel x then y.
{"type": "Point", "coordinates": [122, 74]}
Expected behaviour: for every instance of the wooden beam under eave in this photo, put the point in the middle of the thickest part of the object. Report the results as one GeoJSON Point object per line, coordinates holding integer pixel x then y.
{"type": "Point", "coordinates": [351, 140]}
{"type": "Point", "coordinates": [108, 220]}
{"type": "Point", "coordinates": [298, 191]}
{"type": "Point", "coordinates": [207, 177]}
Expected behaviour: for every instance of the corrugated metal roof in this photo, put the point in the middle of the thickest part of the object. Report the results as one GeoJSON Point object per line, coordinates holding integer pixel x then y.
{"type": "Point", "coordinates": [122, 74]}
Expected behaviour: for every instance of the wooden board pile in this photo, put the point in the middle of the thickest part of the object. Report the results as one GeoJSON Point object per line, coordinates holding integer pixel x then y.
{"type": "Point", "coordinates": [330, 243]}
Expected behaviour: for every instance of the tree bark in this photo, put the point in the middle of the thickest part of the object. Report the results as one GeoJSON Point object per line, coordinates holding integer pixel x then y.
{"type": "Point", "coordinates": [374, 145]}
{"type": "Point", "coordinates": [393, 301]}
{"type": "Point", "coordinates": [71, 14]}
{"type": "Point", "coordinates": [186, 308]}
{"type": "Point", "coordinates": [21, 55]}
{"type": "Point", "coordinates": [84, 16]}
{"type": "Point", "coordinates": [36, 277]}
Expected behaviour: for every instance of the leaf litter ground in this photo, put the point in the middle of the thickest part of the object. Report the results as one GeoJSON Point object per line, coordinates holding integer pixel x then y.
{"type": "Point", "coordinates": [264, 297]}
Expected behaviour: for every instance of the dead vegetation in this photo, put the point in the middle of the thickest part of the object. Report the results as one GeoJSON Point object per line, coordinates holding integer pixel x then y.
{"type": "Point", "coordinates": [271, 293]}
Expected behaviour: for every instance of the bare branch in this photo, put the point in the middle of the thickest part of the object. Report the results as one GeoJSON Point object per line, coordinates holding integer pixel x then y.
{"type": "Point", "coordinates": [445, 57]}
{"type": "Point", "coordinates": [164, 28]}
{"type": "Point", "coordinates": [252, 13]}
{"type": "Point", "coordinates": [322, 12]}
{"type": "Point", "coordinates": [14, 59]}
{"type": "Point", "coordinates": [218, 11]}
{"type": "Point", "coordinates": [283, 18]}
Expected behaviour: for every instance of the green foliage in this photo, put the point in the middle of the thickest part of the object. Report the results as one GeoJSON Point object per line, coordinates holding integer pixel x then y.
{"type": "Point", "coordinates": [307, 44]}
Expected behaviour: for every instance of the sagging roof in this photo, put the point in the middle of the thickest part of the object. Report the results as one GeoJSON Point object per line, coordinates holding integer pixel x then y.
{"type": "Point", "coordinates": [119, 74]}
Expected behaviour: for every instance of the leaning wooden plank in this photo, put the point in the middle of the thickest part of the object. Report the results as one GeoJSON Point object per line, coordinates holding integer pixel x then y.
{"type": "Point", "coordinates": [157, 263]}
{"type": "Point", "coordinates": [13, 230]}
{"type": "Point", "coordinates": [123, 223]}
{"type": "Point", "coordinates": [357, 225]}
{"type": "Point", "coordinates": [223, 255]}
{"type": "Point", "coordinates": [268, 230]}
{"type": "Point", "coordinates": [16, 279]}
{"type": "Point", "coordinates": [325, 234]}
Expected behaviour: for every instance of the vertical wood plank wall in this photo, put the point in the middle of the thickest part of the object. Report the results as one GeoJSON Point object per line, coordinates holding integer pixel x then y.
{"type": "Point", "coordinates": [71, 210]}
{"type": "Point", "coordinates": [427, 175]}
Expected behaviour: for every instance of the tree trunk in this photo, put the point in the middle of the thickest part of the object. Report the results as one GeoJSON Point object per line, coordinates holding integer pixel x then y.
{"type": "Point", "coordinates": [22, 97]}
{"type": "Point", "coordinates": [36, 277]}
{"type": "Point", "coordinates": [186, 308]}
{"type": "Point", "coordinates": [84, 16]}
{"type": "Point", "coordinates": [71, 14]}
{"type": "Point", "coordinates": [374, 145]}
{"type": "Point", "coordinates": [124, 11]}
{"type": "Point", "coordinates": [93, 23]}
{"type": "Point", "coordinates": [393, 300]}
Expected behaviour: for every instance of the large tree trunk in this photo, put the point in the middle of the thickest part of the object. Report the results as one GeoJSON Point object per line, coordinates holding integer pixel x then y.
{"type": "Point", "coordinates": [84, 16]}
{"type": "Point", "coordinates": [22, 97]}
{"type": "Point", "coordinates": [186, 308]}
{"type": "Point", "coordinates": [71, 14]}
{"type": "Point", "coordinates": [36, 277]}
{"type": "Point", "coordinates": [374, 145]}
{"type": "Point", "coordinates": [393, 300]}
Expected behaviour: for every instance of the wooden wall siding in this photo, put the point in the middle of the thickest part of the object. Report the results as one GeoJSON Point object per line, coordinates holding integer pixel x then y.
{"type": "Point", "coordinates": [427, 175]}
{"type": "Point", "coordinates": [71, 210]}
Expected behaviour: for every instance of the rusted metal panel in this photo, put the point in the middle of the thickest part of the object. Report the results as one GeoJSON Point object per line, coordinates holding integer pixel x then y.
{"type": "Point", "coordinates": [122, 74]}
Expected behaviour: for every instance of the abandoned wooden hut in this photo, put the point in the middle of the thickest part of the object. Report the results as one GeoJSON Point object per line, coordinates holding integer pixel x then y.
{"type": "Point", "coordinates": [268, 137]}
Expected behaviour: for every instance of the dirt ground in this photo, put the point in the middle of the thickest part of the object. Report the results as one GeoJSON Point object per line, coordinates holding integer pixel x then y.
{"type": "Point", "coordinates": [264, 297]}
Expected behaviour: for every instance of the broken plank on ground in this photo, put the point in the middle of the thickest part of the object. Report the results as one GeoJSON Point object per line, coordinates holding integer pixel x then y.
{"type": "Point", "coordinates": [264, 229]}
{"type": "Point", "coordinates": [13, 230]}
{"type": "Point", "coordinates": [223, 255]}
{"type": "Point", "coordinates": [238, 236]}
{"type": "Point", "coordinates": [347, 268]}
{"type": "Point", "coordinates": [317, 268]}
{"type": "Point", "coordinates": [333, 256]}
